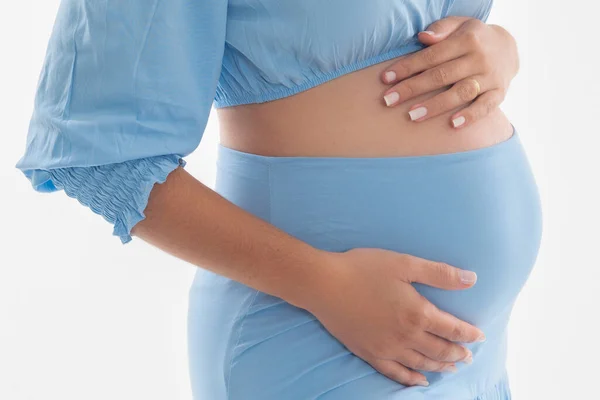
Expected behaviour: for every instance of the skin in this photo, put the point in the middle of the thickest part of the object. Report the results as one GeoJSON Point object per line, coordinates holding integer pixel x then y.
{"type": "Point", "coordinates": [385, 322]}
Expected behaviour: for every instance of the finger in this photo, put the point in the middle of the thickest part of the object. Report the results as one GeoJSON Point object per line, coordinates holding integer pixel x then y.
{"type": "Point", "coordinates": [432, 79]}
{"type": "Point", "coordinates": [417, 361]}
{"type": "Point", "coordinates": [449, 327]}
{"type": "Point", "coordinates": [461, 93]}
{"type": "Point", "coordinates": [439, 349]}
{"type": "Point", "coordinates": [438, 274]}
{"type": "Point", "coordinates": [441, 29]}
{"type": "Point", "coordinates": [425, 59]}
{"type": "Point", "coordinates": [482, 106]}
{"type": "Point", "coordinates": [399, 373]}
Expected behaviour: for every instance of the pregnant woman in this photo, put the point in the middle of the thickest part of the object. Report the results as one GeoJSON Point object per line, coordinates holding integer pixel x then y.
{"type": "Point", "coordinates": [374, 216]}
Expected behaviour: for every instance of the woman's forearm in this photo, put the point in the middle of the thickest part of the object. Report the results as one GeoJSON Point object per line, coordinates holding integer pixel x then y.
{"type": "Point", "coordinates": [192, 222]}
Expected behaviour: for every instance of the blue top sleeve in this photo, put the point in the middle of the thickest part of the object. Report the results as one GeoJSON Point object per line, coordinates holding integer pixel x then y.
{"type": "Point", "coordinates": [125, 92]}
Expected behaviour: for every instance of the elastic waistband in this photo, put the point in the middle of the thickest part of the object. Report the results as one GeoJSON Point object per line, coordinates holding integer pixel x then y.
{"type": "Point", "coordinates": [229, 156]}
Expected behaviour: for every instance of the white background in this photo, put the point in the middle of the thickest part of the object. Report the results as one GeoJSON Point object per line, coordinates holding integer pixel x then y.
{"type": "Point", "coordinates": [83, 317]}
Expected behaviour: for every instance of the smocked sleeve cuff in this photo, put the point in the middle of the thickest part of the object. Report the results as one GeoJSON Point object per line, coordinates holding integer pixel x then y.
{"type": "Point", "coordinates": [118, 192]}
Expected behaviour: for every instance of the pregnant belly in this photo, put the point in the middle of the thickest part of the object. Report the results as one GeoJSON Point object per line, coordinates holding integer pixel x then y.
{"type": "Point", "coordinates": [476, 210]}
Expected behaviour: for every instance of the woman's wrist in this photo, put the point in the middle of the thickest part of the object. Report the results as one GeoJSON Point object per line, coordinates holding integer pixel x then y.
{"type": "Point", "coordinates": [307, 284]}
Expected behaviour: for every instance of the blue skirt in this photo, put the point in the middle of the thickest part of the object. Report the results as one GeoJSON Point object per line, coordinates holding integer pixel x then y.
{"type": "Point", "coordinates": [477, 210]}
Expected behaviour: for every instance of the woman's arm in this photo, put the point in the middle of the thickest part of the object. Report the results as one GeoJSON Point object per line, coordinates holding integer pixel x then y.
{"type": "Point", "coordinates": [192, 222]}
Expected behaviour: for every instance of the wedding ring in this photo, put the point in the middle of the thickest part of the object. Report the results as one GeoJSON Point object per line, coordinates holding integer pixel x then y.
{"type": "Point", "coordinates": [477, 86]}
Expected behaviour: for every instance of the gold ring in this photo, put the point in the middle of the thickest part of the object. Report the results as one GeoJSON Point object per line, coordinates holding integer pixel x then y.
{"type": "Point", "coordinates": [477, 86]}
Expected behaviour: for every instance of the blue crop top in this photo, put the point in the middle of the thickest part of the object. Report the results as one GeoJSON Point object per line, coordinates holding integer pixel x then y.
{"type": "Point", "coordinates": [126, 87]}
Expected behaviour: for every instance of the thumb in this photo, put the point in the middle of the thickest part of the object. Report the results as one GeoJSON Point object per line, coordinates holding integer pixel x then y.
{"type": "Point", "coordinates": [441, 29]}
{"type": "Point", "coordinates": [441, 275]}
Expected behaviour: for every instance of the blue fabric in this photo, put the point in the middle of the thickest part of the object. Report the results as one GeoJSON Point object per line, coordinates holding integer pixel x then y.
{"type": "Point", "coordinates": [478, 210]}
{"type": "Point", "coordinates": [133, 81]}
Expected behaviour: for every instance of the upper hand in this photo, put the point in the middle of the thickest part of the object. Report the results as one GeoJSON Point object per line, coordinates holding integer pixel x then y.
{"type": "Point", "coordinates": [370, 305]}
{"type": "Point", "coordinates": [462, 49]}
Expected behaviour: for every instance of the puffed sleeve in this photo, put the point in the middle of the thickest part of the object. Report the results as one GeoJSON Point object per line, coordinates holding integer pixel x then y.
{"type": "Point", "coordinates": [125, 92]}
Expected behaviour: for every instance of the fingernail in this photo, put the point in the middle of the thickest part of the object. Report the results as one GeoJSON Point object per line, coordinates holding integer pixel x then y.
{"type": "Point", "coordinates": [432, 33]}
{"type": "Point", "coordinates": [468, 360]}
{"type": "Point", "coordinates": [458, 121]}
{"type": "Point", "coordinates": [450, 368]}
{"type": "Point", "coordinates": [391, 98]}
{"type": "Point", "coordinates": [417, 113]}
{"type": "Point", "coordinates": [423, 383]}
{"type": "Point", "coordinates": [390, 76]}
{"type": "Point", "coordinates": [480, 338]}
{"type": "Point", "coordinates": [468, 277]}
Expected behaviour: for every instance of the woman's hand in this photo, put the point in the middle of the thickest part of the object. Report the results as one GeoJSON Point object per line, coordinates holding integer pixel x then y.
{"type": "Point", "coordinates": [370, 305]}
{"type": "Point", "coordinates": [475, 60]}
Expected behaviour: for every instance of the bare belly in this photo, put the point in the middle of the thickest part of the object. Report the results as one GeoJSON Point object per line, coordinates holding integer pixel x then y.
{"type": "Point", "coordinates": [348, 117]}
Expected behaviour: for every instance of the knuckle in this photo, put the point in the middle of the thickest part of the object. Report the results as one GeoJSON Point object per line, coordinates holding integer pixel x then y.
{"type": "Point", "coordinates": [443, 270]}
{"type": "Point", "coordinates": [435, 105]}
{"type": "Point", "coordinates": [408, 90]}
{"type": "Point", "coordinates": [458, 333]}
{"type": "Point", "coordinates": [440, 367]}
{"type": "Point", "coordinates": [414, 322]}
{"type": "Point", "coordinates": [419, 363]}
{"type": "Point", "coordinates": [413, 262]}
{"type": "Point", "coordinates": [475, 24]}
{"type": "Point", "coordinates": [405, 336]}
{"type": "Point", "coordinates": [439, 76]}
{"type": "Point", "coordinates": [429, 56]}
{"type": "Point", "coordinates": [472, 39]}
{"type": "Point", "coordinates": [429, 313]}
{"type": "Point", "coordinates": [444, 353]}
{"type": "Point", "coordinates": [402, 69]}
{"type": "Point", "coordinates": [466, 91]}
{"type": "Point", "coordinates": [407, 264]}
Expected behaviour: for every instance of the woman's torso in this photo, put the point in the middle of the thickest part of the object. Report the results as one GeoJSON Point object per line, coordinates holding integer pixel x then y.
{"type": "Point", "coordinates": [348, 117]}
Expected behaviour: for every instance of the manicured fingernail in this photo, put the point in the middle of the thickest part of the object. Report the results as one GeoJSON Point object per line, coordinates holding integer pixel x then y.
{"type": "Point", "coordinates": [458, 121]}
{"type": "Point", "coordinates": [467, 276]}
{"type": "Point", "coordinates": [450, 368]}
{"type": "Point", "coordinates": [417, 113]}
{"type": "Point", "coordinates": [390, 76]}
{"type": "Point", "coordinates": [480, 338]}
{"type": "Point", "coordinates": [422, 383]}
{"type": "Point", "coordinates": [391, 98]}
{"type": "Point", "coordinates": [432, 33]}
{"type": "Point", "coordinates": [468, 360]}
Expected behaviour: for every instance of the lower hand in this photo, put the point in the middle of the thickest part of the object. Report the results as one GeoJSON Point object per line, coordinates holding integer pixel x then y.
{"type": "Point", "coordinates": [477, 61]}
{"type": "Point", "coordinates": [370, 305]}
